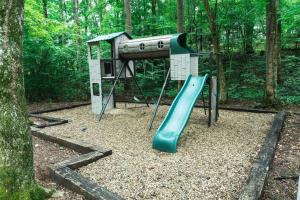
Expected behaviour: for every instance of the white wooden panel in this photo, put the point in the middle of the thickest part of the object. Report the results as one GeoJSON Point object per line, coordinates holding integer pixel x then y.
{"type": "Point", "coordinates": [194, 65]}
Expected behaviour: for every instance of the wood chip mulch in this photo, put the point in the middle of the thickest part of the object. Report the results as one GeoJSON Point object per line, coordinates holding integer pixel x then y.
{"type": "Point", "coordinates": [211, 163]}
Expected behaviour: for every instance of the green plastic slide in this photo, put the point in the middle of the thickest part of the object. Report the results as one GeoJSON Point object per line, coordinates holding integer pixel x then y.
{"type": "Point", "coordinates": [168, 134]}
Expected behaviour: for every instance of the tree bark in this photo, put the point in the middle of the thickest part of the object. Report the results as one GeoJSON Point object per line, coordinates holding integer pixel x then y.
{"type": "Point", "coordinates": [153, 7]}
{"type": "Point", "coordinates": [77, 27]}
{"type": "Point", "coordinates": [62, 18]}
{"type": "Point", "coordinates": [16, 160]}
{"type": "Point", "coordinates": [272, 51]}
{"type": "Point", "coordinates": [216, 49]}
{"type": "Point", "coordinates": [45, 10]}
{"type": "Point", "coordinates": [128, 24]}
{"type": "Point", "coordinates": [180, 27]}
{"type": "Point", "coordinates": [180, 9]}
{"type": "Point", "coordinates": [249, 29]}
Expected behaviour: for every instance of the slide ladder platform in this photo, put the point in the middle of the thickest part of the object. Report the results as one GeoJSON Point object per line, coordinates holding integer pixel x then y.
{"type": "Point", "coordinates": [167, 135]}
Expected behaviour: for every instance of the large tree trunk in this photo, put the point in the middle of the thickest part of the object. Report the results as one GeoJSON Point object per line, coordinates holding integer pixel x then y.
{"type": "Point", "coordinates": [16, 160]}
{"type": "Point", "coordinates": [180, 26]}
{"type": "Point", "coordinates": [272, 50]}
{"type": "Point", "coordinates": [216, 49]}
{"type": "Point", "coordinates": [77, 27]}
{"type": "Point", "coordinates": [128, 24]}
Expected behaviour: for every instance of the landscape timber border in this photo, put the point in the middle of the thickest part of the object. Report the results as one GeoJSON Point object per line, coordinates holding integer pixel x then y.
{"type": "Point", "coordinates": [64, 171]}
{"type": "Point", "coordinates": [52, 121]}
{"type": "Point", "coordinates": [253, 188]}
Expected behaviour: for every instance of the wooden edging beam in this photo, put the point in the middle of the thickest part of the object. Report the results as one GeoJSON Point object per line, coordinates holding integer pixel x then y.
{"type": "Point", "coordinates": [52, 121]}
{"type": "Point", "coordinates": [65, 172]}
{"type": "Point", "coordinates": [252, 110]}
{"type": "Point", "coordinates": [60, 108]}
{"type": "Point", "coordinates": [253, 188]}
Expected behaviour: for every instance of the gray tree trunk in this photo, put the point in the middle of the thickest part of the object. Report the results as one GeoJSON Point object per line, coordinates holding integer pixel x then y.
{"type": "Point", "coordinates": [216, 48]}
{"type": "Point", "coordinates": [180, 26]}
{"type": "Point", "coordinates": [77, 26]}
{"type": "Point", "coordinates": [272, 50]}
{"type": "Point", "coordinates": [16, 160]}
{"type": "Point", "coordinates": [128, 24]}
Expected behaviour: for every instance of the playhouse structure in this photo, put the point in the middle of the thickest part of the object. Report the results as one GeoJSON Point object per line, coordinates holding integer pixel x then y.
{"type": "Point", "coordinates": [123, 51]}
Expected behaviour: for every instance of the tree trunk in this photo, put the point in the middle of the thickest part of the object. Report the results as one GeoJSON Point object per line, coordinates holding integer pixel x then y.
{"type": "Point", "coordinates": [180, 27]}
{"type": "Point", "coordinates": [45, 10]}
{"type": "Point", "coordinates": [153, 7]}
{"type": "Point", "coordinates": [216, 49]}
{"type": "Point", "coordinates": [128, 29]}
{"type": "Point", "coordinates": [62, 18]}
{"type": "Point", "coordinates": [16, 160]}
{"type": "Point", "coordinates": [128, 24]}
{"type": "Point", "coordinates": [272, 51]}
{"type": "Point", "coordinates": [77, 27]}
{"type": "Point", "coordinates": [280, 79]}
{"type": "Point", "coordinates": [249, 29]}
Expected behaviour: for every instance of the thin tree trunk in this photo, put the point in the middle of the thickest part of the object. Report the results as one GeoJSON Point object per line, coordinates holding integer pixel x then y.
{"type": "Point", "coordinates": [180, 26]}
{"type": "Point", "coordinates": [272, 51]}
{"type": "Point", "coordinates": [153, 7]}
{"type": "Point", "coordinates": [128, 24]}
{"type": "Point", "coordinates": [128, 29]}
{"type": "Point", "coordinates": [249, 29]}
{"type": "Point", "coordinates": [77, 27]}
{"type": "Point", "coordinates": [216, 48]}
{"type": "Point", "coordinates": [16, 160]}
{"type": "Point", "coordinates": [45, 10]}
{"type": "Point", "coordinates": [62, 18]}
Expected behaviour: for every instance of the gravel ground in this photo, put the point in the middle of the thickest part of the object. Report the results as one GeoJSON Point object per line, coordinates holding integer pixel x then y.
{"type": "Point", "coordinates": [47, 154]}
{"type": "Point", "coordinates": [211, 163]}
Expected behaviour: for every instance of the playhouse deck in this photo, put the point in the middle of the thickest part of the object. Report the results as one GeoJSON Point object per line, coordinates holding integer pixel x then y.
{"type": "Point", "coordinates": [210, 163]}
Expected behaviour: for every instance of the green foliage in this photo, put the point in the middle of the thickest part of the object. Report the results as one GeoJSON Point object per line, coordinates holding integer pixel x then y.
{"type": "Point", "coordinates": [54, 71]}
{"type": "Point", "coordinates": [8, 192]}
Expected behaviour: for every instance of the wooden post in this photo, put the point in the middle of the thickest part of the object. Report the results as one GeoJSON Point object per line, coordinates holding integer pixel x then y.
{"type": "Point", "coordinates": [212, 100]}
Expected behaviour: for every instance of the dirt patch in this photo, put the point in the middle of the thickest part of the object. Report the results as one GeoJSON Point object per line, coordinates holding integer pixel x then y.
{"type": "Point", "coordinates": [211, 163]}
{"type": "Point", "coordinates": [282, 181]}
{"type": "Point", "coordinates": [47, 154]}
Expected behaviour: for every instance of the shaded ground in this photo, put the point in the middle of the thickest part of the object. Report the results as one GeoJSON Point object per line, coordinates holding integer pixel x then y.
{"type": "Point", "coordinates": [286, 164]}
{"type": "Point", "coordinates": [46, 154]}
{"type": "Point", "coordinates": [210, 163]}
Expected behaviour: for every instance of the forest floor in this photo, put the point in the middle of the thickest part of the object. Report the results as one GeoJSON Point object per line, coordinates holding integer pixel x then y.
{"type": "Point", "coordinates": [46, 154]}
{"type": "Point", "coordinates": [283, 176]}
{"type": "Point", "coordinates": [285, 164]}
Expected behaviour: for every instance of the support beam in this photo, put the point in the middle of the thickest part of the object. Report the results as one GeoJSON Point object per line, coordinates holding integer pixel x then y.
{"type": "Point", "coordinates": [158, 101]}
{"type": "Point", "coordinates": [112, 90]}
{"type": "Point", "coordinates": [212, 100]}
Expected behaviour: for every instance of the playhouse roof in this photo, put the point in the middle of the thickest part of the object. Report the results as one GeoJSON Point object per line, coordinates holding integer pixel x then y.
{"type": "Point", "coordinates": [108, 37]}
